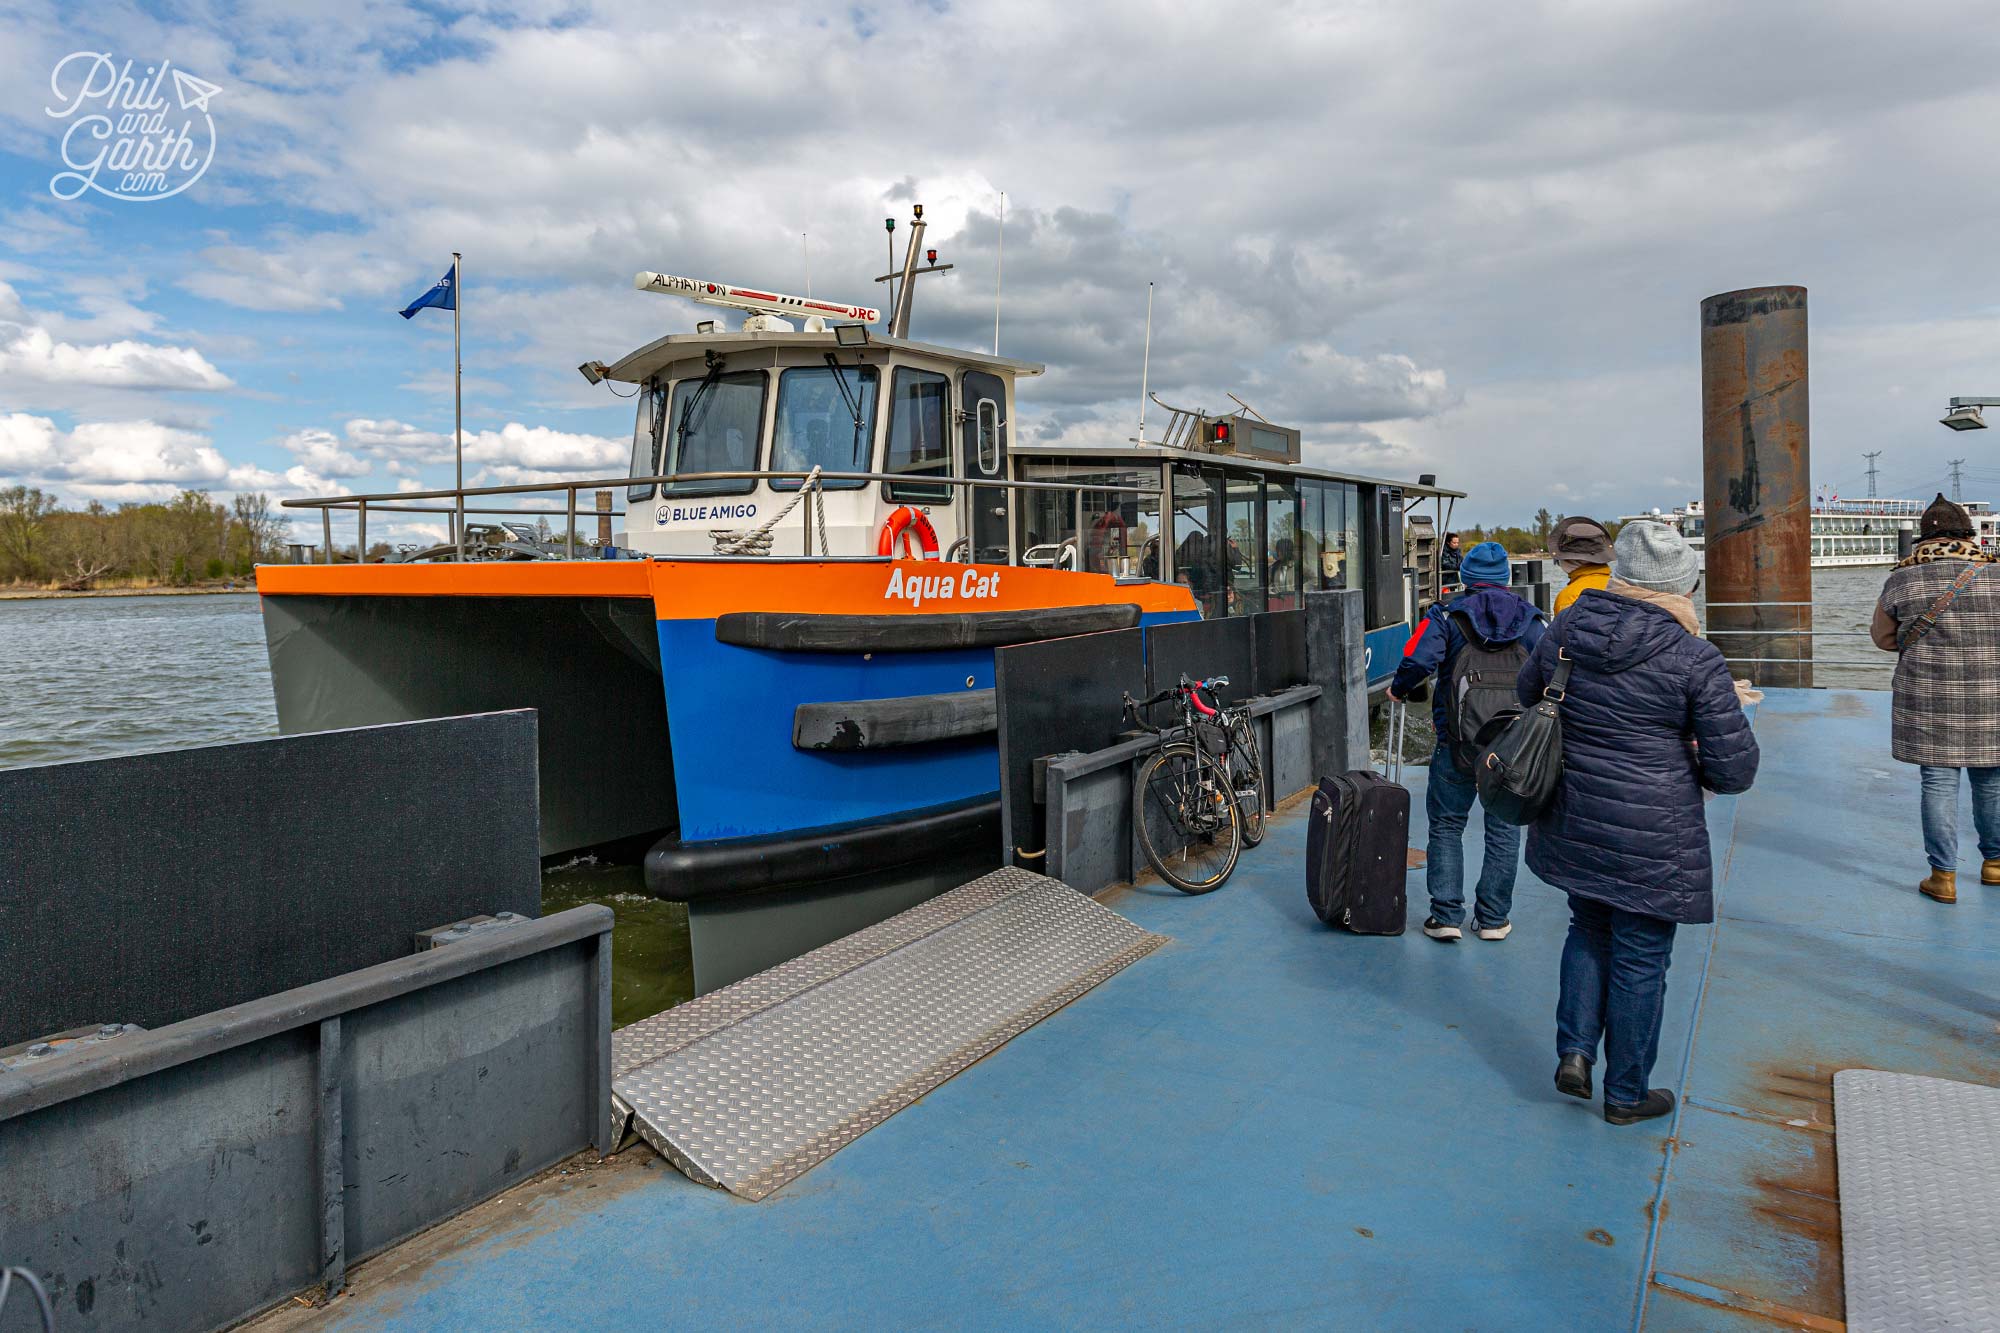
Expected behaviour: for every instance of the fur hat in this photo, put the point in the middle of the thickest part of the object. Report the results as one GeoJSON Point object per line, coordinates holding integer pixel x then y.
{"type": "Point", "coordinates": [1942, 518]}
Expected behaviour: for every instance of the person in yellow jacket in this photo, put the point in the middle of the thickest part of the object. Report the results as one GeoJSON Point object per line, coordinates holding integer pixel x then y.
{"type": "Point", "coordinates": [1582, 546]}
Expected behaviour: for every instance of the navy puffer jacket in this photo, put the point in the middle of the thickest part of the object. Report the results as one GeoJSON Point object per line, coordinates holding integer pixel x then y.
{"type": "Point", "coordinates": [1626, 827]}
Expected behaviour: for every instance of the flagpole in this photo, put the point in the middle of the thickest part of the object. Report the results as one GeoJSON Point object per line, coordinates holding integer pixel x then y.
{"type": "Point", "coordinates": [458, 402]}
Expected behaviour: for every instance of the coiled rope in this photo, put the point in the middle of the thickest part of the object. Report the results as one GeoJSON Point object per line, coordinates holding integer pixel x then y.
{"type": "Point", "coordinates": [757, 540]}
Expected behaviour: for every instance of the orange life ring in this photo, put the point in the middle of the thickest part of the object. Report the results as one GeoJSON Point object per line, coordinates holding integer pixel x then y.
{"type": "Point", "coordinates": [919, 537]}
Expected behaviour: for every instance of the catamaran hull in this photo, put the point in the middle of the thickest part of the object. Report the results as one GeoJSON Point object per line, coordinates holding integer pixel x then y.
{"type": "Point", "coordinates": [765, 723]}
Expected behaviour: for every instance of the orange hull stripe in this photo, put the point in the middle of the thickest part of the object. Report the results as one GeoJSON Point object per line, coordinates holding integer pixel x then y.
{"type": "Point", "coordinates": [687, 590]}
{"type": "Point", "coordinates": [702, 590]}
{"type": "Point", "coordinates": [510, 578]}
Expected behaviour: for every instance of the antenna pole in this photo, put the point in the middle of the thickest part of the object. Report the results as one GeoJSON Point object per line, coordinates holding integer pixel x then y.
{"type": "Point", "coordinates": [806, 254]}
{"type": "Point", "coordinates": [1146, 361]}
{"type": "Point", "coordinates": [1871, 471]}
{"type": "Point", "coordinates": [999, 262]}
{"type": "Point", "coordinates": [889, 225]}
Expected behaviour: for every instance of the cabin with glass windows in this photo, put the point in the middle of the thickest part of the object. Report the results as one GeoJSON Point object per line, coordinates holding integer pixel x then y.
{"type": "Point", "coordinates": [734, 421]}
{"type": "Point", "coordinates": [730, 424]}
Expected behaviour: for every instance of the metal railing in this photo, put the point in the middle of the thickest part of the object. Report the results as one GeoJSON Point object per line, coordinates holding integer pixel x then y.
{"type": "Point", "coordinates": [1809, 633]}
{"type": "Point", "coordinates": [400, 502]}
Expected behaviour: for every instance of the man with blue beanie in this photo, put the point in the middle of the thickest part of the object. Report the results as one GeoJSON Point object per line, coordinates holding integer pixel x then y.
{"type": "Point", "coordinates": [1475, 644]}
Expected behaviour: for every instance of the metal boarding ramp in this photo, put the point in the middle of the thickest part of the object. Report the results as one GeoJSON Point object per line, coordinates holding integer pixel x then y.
{"type": "Point", "coordinates": [750, 1086]}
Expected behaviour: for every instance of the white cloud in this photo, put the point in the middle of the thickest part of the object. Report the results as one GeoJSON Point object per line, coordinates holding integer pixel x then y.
{"type": "Point", "coordinates": [297, 273]}
{"type": "Point", "coordinates": [397, 440]}
{"type": "Point", "coordinates": [543, 449]}
{"type": "Point", "coordinates": [28, 444]}
{"type": "Point", "coordinates": [33, 355]}
{"type": "Point", "coordinates": [320, 452]}
{"type": "Point", "coordinates": [137, 460]}
{"type": "Point", "coordinates": [1322, 384]}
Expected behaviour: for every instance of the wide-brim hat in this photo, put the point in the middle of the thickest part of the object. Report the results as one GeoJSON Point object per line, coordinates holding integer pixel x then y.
{"type": "Point", "coordinates": [1580, 538]}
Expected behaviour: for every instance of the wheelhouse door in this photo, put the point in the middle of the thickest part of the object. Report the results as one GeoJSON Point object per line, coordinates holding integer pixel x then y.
{"type": "Point", "coordinates": [983, 444]}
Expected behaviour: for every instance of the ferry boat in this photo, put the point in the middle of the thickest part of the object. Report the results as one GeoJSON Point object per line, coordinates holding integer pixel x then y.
{"type": "Point", "coordinates": [1848, 532]}
{"type": "Point", "coordinates": [783, 669]}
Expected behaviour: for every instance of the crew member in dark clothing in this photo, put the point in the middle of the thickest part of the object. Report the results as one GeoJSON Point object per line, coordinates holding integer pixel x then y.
{"type": "Point", "coordinates": [1499, 617]}
{"type": "Point", "coordinates": [1650, 720]}
{"type": "Point", "coordinates": [1449, 561]}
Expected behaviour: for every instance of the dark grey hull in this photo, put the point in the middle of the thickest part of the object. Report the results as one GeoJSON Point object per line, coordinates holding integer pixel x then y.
{"type": "Point", "coordinates": [589, 666]}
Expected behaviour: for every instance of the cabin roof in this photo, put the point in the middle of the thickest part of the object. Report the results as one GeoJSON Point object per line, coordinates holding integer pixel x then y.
{"type": "Point", "coordinates": [636, 367]}
{"type": "Point", "coordinates": [1154, 453]}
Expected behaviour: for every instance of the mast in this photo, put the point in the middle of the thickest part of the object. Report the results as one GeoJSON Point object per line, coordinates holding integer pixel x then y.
{"type": "Point", "coordinates": [457, 404]}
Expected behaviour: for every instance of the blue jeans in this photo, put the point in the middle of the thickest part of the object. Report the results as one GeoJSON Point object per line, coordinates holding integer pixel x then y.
{"type": "Point", "coordinates": [1614, 987]}
{"type": "Point", "coordinates": [1941, 813]}
{"type": "Point", "coordinates": [1448, 801]}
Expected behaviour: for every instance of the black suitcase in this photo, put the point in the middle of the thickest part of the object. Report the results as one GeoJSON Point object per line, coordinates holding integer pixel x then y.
{"type": "Point", "coordinates": [1357, 852]}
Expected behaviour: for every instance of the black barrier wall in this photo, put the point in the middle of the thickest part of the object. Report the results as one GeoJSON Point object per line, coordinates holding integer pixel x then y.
{"type": "Point", "coordinates": [1277, 652]}
{"type": "Point", "coordinates": [1056, 695]}
{"type": "Point", "coordinates": [1200, 649]}
{"type": "Point", "coordinates": [156, 887]}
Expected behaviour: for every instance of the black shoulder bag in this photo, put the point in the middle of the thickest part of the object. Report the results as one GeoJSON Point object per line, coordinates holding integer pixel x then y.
{"type": "Point", "coordinates": [1520, 766]}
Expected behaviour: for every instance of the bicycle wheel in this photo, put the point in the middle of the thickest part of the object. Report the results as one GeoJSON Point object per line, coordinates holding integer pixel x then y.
{"type": "Point", "coordinates": [1186, 817]}
{"type": "Point", "coordinates": [1246, 779]}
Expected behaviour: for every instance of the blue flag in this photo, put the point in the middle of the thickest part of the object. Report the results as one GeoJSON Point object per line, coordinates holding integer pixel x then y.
{"type": "Point", "coordinates": [444, 295]}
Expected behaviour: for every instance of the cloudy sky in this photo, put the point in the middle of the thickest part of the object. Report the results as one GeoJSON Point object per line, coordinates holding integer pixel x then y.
{"type": "Point", "coordinates": [1468, 239]}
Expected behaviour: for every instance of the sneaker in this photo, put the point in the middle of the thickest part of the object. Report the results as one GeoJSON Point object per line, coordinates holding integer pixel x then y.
{"type": "Point", "coordinates": [1499, 932]}
{"type": "Point", "coordinates": [1438, 930]}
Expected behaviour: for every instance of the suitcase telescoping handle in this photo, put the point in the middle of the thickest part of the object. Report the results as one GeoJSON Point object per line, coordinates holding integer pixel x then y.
{"type": "Point", "coordinates": [1399, 726]}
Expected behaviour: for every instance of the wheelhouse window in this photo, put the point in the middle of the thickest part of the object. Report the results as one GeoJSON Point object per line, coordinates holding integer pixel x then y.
{"type": "Point", "coordinates": [714, 427]}
{"type": "Point", "coordinates": [826, 419]}
{"type": "Point", "coordinates": [919, 419]}
{"type": "Point", "coordinates": [989, 437]}
{"type": "Point", "coordinates": [646, 438]}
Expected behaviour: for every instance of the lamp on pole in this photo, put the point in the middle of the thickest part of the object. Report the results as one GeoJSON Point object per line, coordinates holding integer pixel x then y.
{"type": "Point", "coordinates": [1964, 413]}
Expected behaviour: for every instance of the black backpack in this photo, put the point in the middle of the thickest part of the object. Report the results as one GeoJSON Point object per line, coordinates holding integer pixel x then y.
{"type": "Point", "coordinates": [1480, 698]}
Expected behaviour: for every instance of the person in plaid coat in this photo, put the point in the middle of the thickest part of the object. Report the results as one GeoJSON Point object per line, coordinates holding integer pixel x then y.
{"type": "Point", "coordinates": [1940, 613]}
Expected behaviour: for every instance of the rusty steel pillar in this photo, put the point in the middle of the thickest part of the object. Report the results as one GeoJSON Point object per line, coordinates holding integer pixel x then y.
{"type": "Point", "coordinates": [1756, 465]}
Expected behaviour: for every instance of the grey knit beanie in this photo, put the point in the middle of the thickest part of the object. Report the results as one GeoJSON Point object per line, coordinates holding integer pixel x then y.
{"type": "Point", "coordinates": [1653, 555]}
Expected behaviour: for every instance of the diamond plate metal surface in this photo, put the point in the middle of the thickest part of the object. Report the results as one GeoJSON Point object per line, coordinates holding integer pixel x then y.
{"type": "Point", "coordinates": [750, 1086]}
{"type": "Point", "coordinates": [1919, 1162]}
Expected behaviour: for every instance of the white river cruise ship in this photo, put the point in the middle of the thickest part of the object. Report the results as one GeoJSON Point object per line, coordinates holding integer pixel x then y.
{"type": "Point", "coordinates": [1847, 532]}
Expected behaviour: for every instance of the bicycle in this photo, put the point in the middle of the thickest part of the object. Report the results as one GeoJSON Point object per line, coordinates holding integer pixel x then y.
{"type": "Point", "coordinates": [1246, 770]}
{"type": "Point", "coordinates": [1185, 804]}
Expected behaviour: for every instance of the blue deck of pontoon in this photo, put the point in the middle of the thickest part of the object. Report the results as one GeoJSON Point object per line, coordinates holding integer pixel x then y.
{"type": "Point", "coordinates": [1269, 1123]}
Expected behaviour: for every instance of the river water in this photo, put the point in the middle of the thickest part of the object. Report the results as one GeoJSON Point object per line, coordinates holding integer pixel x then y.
{"type": "Point", "coordinates": [81, 678]}
{"type": "Point", "coordinates": [86, 677]}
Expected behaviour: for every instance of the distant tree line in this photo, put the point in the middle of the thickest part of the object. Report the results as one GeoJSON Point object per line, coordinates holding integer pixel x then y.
{"type": "Point", "coordinates": [177, 542]}
{"type": "Point", "coordinates": [1530, 540]}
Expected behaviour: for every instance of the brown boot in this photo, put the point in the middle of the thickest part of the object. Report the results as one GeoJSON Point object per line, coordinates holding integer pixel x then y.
{"type": "Point", "coordinates": [1989, 871]}
{"type": "Point", "coordinates": [1941, 886]}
